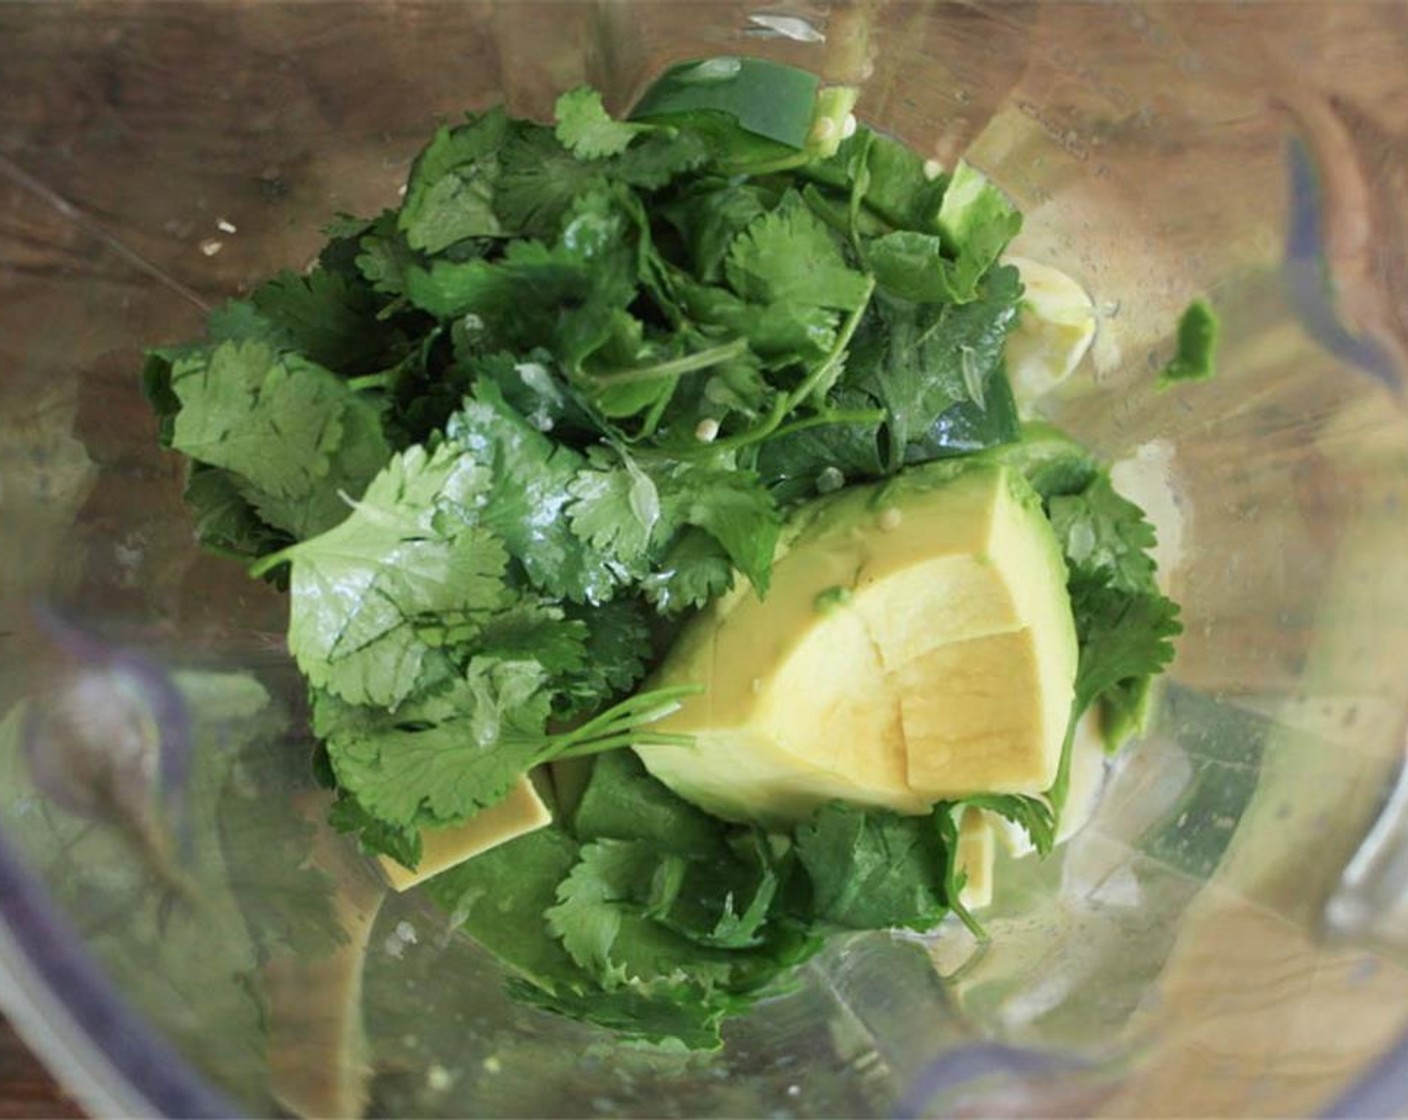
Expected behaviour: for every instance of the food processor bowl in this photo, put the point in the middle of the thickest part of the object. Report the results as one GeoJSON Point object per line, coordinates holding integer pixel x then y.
{"type": "Point", "coordinates": [180, 936]}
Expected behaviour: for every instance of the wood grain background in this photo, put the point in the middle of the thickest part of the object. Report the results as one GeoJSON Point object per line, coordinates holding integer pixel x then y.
{"type": "Point", "coordinates": [27, 1092]}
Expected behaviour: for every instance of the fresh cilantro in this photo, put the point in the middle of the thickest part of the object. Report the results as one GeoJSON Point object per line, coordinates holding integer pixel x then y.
{"type": "Point", "coordinates": [897, 186]}
{"type": "Point", "coordinates": [1198, 331]}
{"type": "Point", "coordinates": [442, 756]}
{"type": "Point", "coordinates": [1032, 813]}
{"type": "Point", "coordinates": [384, 256]}
{"type": "Point", "coordinates": [561, 296]}
{"type": "Point", "coordinates": [587, 130]}
{"type": "Point", "coordinates": [1051, 461]}
{"type": "Point", "coordinates": [787, 256]}
{"type": "Point", "coordinates": [325, 317]}
{"type": "Point", "coordinates": [937, 369]}
{"type": "Point", "coordinates": [724, 902]}
{"type": "Point", "coordinates": [872, 869]}
{"type": "Point", "coordinates": [618, 648]}
{"type": "Point", "coordinates": [449, 196]}
{"type": "Point", "coordinates": [670, 1012]}
{"type": "Point", "coordinates": [710, 219]}
{"type": "Point", "coordinates": [375, 836]}
{"type": "Point", "coordinates": [1123, 636]}
{"type": "Point", "coordinates": [659, 158]}
{"type": "Point", "coordinates": [501, 441]}
{"type": "Point", "coordinates": [499, 898]}
{"type": "Point", "coordinates": [806, 463]}
{"type": "Point", "coordinates": [615, 509]}
{"type": "Point", "coordinates": [976, 219]}
{"type": "Point", "coordinates": [537, 631]}
{"type": "Point", "coordinates": [458, 746]}
{"type": "Point", "coordinates": [539, 181]}
{"type": "Point", "coordinates": [298, 443]}
{"type": "Point", "coordinates": [527, 488]}
{"type": "Point", "coordinates": [946, 820]}
{"type": "Point", "coordinates": [406, 559]}
{"type": "Point", "coordinates": [1123, 621]}
{"type": "Point", "coordinates": [693, 570]}
{"type": "Point", "coordinates": [595, 900]}
{"type": "Point", "coordinates": [225, 522]}
{"type": "Point", "coordinates": [1106, 536]}
{"type": "Point", "coordinates": [733, 508]}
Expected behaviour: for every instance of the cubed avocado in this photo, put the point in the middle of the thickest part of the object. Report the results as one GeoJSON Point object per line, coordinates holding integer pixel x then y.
{"type": "Point", "coordinates": [917, 646]}
{"type": "Point", "coordinates": [520, 811]}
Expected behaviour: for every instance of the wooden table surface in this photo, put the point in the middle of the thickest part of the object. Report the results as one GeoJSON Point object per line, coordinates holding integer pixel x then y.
{"type": "Point", "coordinates": [27, 1092]}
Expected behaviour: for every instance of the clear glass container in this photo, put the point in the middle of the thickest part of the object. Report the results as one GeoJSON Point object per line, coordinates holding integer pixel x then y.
{"type": "Point", "coordinates": [1227, 936]}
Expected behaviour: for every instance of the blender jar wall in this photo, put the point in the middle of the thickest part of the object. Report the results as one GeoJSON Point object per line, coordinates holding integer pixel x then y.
{"type": "Point", "coordinates": [153, 160]}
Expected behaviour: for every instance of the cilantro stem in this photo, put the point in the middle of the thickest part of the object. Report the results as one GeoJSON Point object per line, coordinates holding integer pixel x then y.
{"type": "Point", "coordinates": [622, 739]}
{"type": "Point", "coordinates": [383, 380]}
{"type": "Point", "coordinates": [824, 374]}
{"type": "Point", "coordinates": [852, 416]}
{"type": "Point", "coordinates": [688, 363]}
{"type": "Point", "coordinates": [633, 709]}
{"type": "Point", "coordinates": [819, 379]}
{"type": "Point", "coordinates": [266, 564]}
{"type": "Point", "coordinates": [945, 816]}
{"type": "Point", "coordinates": [1060, 788]}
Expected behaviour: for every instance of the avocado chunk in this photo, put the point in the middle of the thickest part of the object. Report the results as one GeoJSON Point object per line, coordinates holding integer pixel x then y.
{"type": "Point", "coordinates": [917, 646]}
{"type": "Point", "coordinates": [519, 812]}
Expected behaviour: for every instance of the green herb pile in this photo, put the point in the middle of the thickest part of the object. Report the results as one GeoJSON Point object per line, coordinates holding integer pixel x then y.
{"type": "Point", "coordinates": [502, 440]}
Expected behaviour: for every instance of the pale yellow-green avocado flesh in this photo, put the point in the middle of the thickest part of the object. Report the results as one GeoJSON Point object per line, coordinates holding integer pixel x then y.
{"type": "Point", "coordinates": [917, 645]}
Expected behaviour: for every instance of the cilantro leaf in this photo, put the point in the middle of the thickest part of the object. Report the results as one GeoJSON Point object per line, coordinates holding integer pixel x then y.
{"type": "Point", "coordinates": [723, 902]}
{"type": "Point", "coordinates": [499, 899]}
{"type": "Point", "coordinates": [789, 256]}
{"type": "Point", "coordinates": [802, 464]}
{"type": "Point", "coordinates": [937, 370]}
{"type": "Point", "coordinates": [442, 756]}
{"type": "Point", "coordinates": [710, 219]}
{"type": "Point", "coordinates": [450, 192]}
{"type": "Point", "coordinates": [1051, 461]}
{"type": "Point", "coordinates": [615, 509]}
{"type": "Point", "coordinates": [225, 523]}
{"type": "Point", "coordinates": [156, 387]}
{"type": "Point", "coordinates": [975, 218]}
{"type": "Point", "coordinates": [1198, 331]}
{"type": "Point", "coordinates": [672, 1012]}
{"type": "Point", "coordinates": [1105, 535]}
{"type": "Point", "coordinates": [659, 158]}
{"type": "Point", "coordinates": [540, 181]}
{"type": "Point", "coordinates": [383, 256]}
{"type": "Point", "coordinates": [912, 266]}
{"type": "Point", "coordinates": [618, 649]}
{"type": "Point", "coordinates": [587, 130]}
{"type": "Point", "coordinates": [374, 836]}
{"type": "Point", "coordinates": [601, 920]}
{"type": "Point", "coordinates": [873, 869]}
{"type": "Point", "coordinates": [733, 507]}
{"type": "Point", "coordinates": [780, 333]}
{"type": "Point", "coordinates": [560, 296]}
{"type": "Point", "coordinates": [693, 570]}
{"type": "Point", "coordinates": [537, 631]}
{"type": "Point", "coordinates": [327, 318]}
{"type": "Point", "coordinates": [527, 489]}
{"type": "Point", "coordinates": [591, 904]}
{"type": "Point", "coordinates": [404, 559]}
{"type": "Point", "coordinates": [1123, 636]}
{"type": "Point", "coordinates": [621, 801]}
{"type": "Point", "coordinates": [1032, 813]}
{"type": "Point", "coordinates": [298, 440]}
{"type": "Point", "coordinates": [897, 186]}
